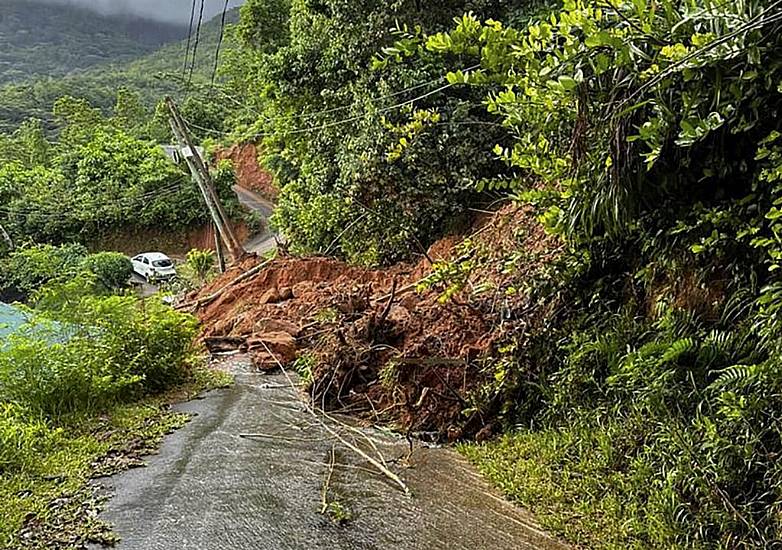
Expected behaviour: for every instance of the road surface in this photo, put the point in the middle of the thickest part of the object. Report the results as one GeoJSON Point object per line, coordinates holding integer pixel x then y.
{"type": "Point", "coordinates": [264, 242]}
{"type": "Point", "coordinates": [210, 488]}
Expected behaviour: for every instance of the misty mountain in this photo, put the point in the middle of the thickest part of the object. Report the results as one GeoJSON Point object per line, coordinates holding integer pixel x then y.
{"type": "Point", "coordinates": [153, 75]}
{"type": "Point", "coordinates": [38, 39]}
{"type": "Point", "coordinates": [175, 11]}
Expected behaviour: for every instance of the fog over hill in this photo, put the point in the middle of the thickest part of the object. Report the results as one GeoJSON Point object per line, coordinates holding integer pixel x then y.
{"type": "Point", "coordinates": [174, 11]}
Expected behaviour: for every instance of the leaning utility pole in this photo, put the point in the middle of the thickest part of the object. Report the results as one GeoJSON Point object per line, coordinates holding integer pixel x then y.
{"type": "Point", "coordinates": [203, 179]}
{"type": "Point", "coordinates": [219, 249]}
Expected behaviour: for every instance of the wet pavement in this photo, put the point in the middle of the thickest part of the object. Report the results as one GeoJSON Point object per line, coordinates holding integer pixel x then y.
{"type": "Point", "coordinates": [266, 241]}
{"type": "Point", "coordinates": [210, 488]}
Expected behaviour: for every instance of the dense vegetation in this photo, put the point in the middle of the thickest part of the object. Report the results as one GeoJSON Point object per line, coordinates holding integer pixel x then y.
{"type": "Point", "coordinates": [328, 124]}
{"type": "Point", "coordinates": [48, 39]}
{"type": "Point", "coordinates": [102, 174]}
{"type": "Point", "coordinates": [647, 136]}
{"type": "Point", "coordinates": [28, 268]}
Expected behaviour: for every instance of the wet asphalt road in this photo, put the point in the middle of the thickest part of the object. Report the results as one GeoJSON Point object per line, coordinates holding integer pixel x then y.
{"type": "Point", "coordinates": [211, 489]}
{"type": "Point", "coordinates": [265, 241]}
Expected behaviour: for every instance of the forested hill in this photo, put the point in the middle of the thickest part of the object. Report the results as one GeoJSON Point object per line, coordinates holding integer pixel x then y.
{"type": "Point", "coordinates": [152, 75]}
{"type": "Point", "coordinates": [38, 39]}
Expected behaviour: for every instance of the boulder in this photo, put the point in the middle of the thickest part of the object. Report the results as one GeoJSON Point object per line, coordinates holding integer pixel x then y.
{"type": "Point", "coordinates": [281, 345]}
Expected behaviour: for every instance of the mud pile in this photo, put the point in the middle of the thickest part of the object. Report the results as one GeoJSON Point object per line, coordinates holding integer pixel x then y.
{"type": "Point", "coordinates": [378, 343]}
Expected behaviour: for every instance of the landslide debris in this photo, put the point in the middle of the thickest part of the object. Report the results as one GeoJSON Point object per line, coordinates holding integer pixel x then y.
{"type": "Point", "coordinates": [412, 345]}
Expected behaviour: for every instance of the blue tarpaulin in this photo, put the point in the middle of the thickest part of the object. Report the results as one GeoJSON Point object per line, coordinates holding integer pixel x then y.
{"type": "Point", "coordinates": [11, 319]}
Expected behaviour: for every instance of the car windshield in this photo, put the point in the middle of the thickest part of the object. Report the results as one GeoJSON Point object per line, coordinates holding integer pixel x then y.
{"type": "Point", "coordinates": [162, 263]}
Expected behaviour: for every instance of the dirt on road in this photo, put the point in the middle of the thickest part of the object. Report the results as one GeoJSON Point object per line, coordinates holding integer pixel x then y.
{"type": "Point", "coordinates": [412, 346]}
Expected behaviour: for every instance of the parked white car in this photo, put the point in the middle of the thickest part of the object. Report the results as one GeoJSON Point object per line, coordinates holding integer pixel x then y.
{"type": "Point", "coordinates": [154, 266]}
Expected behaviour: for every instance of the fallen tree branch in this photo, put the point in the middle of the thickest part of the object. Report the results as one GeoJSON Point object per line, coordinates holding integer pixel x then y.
{"type": "Point", "coordinates": [6, 238]}
{"type": "Point", "coordinates": [325, 492]}
{"type": "Point", "coordinates": [431, 361]}
{"type": "Point", "coordinates": [229, 342]}
{"type": "Point", "coordinates": [390, 303]}
{"type": "Point", "coordinates": [404, 290]}
{"type": "Point", "coordinates": [281, 438]}
{"type": "Point", "coordinates": [377, 463]}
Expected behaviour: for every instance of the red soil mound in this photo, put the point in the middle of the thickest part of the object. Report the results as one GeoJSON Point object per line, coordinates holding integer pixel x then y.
{"type": "Point", "coordinates": [375, 343]}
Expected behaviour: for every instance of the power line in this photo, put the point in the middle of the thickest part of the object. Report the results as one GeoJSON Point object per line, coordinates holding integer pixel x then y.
{"type": "Point", "coordinates": [49, 215]}
{"type": "Point", "coordinates": [219, 42]}
{"type": "Point", "coordinates": [189, 37]}
{"type": "Point", "coordinates": [311, 129]}
{"type": "Point", "coordinates": [125, 202]}
{"type": "Point", "coordinates": [748, 26]}
{"type": "Point", "coordinates": [195, 46]}
{"type": "Point", "coordinates": [344, 107]}
{"type": "Point", "coordinates": [375, 99]}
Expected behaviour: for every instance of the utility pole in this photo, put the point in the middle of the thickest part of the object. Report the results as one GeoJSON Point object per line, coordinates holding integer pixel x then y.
{"type": "Point", "coordinates": [219, 249]}
{"type": "Point", "coordinates": [203, 179]}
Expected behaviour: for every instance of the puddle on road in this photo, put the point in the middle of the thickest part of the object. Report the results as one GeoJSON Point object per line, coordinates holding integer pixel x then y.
{"type": "Point", "coordinates": [210, 488]}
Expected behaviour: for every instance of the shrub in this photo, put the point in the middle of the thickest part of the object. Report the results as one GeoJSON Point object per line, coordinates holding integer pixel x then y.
{"type": "Point", "coordinates": [21, 439]}
{"type": "Point", "coordinates": [108, 349]}
{"type": "Point", "coordinates": [112, 269]}
{"type": "Point", "coordinates": [29, 267]}
{"type": "Point", "coordinates": [200, 262]}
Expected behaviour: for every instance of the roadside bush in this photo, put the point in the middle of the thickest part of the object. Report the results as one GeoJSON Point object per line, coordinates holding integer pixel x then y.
{"type": "Point", "coordinates": [112, 269]}
{"type": "Point", "coordinates": [201, 263]}
{"type": "Point", "coordinates": [106, 349]}
{"type": "Point", "coordinates": [29, 267]}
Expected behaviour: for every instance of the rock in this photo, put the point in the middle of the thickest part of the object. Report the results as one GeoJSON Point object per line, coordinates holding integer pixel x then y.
{"type": "Point", "coordinates": [286, 293]}
{"type": "Point", "coordinates": [410, 302]}
{"type": "Point", "coordinates": [276, 295]}
{"type": "Point", "coordinates": [281, 344]}
{"type": "Point", "coordinates": [399, 315]}
{"type": "Point", "coordinates": [302, 288]}
{"type": "Point", "coordinates": [276, 325]}
{"type": "Point", "coordinates": [271, 296]}
{"type": "Point", "coordinates": [263, 361]}
{"type": "Point", "coordinates": [226, 298]}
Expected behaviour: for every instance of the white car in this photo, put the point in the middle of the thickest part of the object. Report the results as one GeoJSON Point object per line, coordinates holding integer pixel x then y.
{"type": "Point", "coordinates": [154, 266]}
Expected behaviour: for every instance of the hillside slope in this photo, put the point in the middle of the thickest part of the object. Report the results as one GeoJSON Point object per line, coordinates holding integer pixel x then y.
{"type": "Point", "coordinates": [38, 39]}
{"type": "Point", "coordinates": [153, 75]}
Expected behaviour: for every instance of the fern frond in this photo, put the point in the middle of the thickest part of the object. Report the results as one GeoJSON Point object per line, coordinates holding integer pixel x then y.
{"type": "Point", "coordinates": [737, 376]}
{"type": "Point", "coordinates": [677, 349]}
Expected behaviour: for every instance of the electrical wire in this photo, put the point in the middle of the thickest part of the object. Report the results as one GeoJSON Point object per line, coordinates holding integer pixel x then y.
{"type": "Point", "coordinates": [375, 99]}
{"type": "Point", "coordinates": [189, 38]}
{"type": "Point", "coordinates": [311, 129]}
{"type": "Point", "coordinates": [125, 202]}
{"type": "Point", "coordinates": [219, 42]}
{"type": "Point", "coordinates": [195, 46]}
{"type": "Point", "coordinates": [342, 108]}
{"type": "Point", "coordinates": [308, 116]}
{"type": "Point", "coordinates": [750, 25]}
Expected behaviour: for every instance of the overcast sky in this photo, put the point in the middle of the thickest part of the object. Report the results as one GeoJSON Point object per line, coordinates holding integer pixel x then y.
{"type": "Point", "coordinates": [176, 11]}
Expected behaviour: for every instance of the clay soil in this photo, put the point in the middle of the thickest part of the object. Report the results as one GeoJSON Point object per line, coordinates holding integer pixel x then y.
{"type": "Point", "coordinates": [375, 343]}
{"type": "Point", "coordinates": [174, 243]}
{"type": "Point", "coordinates": [249, 174]}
